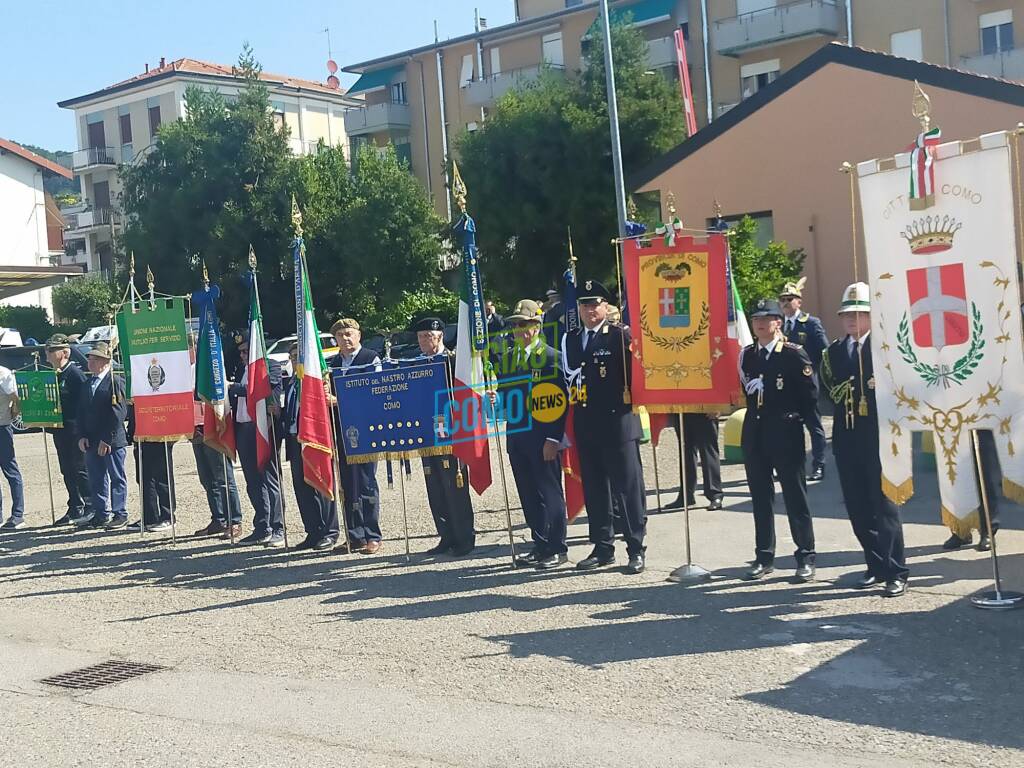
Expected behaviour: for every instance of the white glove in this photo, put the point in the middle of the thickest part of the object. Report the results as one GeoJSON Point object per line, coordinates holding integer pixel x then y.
{"type": "Point", "coordinates": [755, 386]}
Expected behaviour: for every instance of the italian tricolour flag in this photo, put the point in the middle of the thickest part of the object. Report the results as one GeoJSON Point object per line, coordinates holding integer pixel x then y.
{"type": "Point", "coordinates": [257, 388]}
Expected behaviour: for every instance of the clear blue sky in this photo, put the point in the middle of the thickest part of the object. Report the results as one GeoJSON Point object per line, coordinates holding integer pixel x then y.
{"type": "Point", "coordinates": [56, 49]}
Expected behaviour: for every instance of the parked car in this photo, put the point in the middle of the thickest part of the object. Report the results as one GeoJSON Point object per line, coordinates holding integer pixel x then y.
{"type": "Point", "coordinates": [10, 338]}
{"type": "Point", "coordinates": [279, 350]}
{"type": "Point", "coordinates": [107, 333]}
{"type": "Point", "coordinates": [19, 358]}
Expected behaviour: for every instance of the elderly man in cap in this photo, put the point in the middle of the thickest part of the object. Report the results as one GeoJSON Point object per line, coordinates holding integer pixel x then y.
{"type": "Point", "coordinates": [447, 482]}
{"type": "Point", "coordinates": [848, 375]}
{"type": "Point", "coordinates": [70, 383]}
{"type": "Point", "coordinates": [358, 481]}
{"type": "Point", "coordinates": [597, 368]}
{"type": "Point", "coordinates": [102, 411]}
{"type": "Point", "coordinates": [9, 410]}
{"type": "Point", "coordinates": [806, 330]}
{"type": "Point", "coordinates": [529, 373]}
{"type": "Point", "coordinates": [781, 395]}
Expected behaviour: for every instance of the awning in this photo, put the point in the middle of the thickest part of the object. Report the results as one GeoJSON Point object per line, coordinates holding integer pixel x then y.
{"type": "Point", "coordinates": [640, 13]}
{"type": "Point", "coordinates": [18, 280]}
{"type": "Point", "coordinates": [371, 81]}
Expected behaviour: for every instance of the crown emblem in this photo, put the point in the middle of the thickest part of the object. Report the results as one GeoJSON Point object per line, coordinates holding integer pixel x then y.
{"type": "Point", "coordinates": [352, 434]}
{"type": "Point", "coordinates": [673, 274]}
{"type": "Point", "coordinates": [931, 234]}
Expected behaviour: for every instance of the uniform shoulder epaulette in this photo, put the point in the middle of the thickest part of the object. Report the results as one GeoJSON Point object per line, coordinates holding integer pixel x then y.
{"type": "Point", "coordinates": [803, 317]}
{"type": "Point", "coordinates": [791, 345]}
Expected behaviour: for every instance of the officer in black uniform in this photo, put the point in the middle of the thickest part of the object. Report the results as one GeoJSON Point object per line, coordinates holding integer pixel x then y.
{"type": "Point", "coordinates": [70, 381]}
{"type": "Point", "coordinates": [597, 369]}
{"type": "Point", "coordinates": [528, 368]}
{"type": "Point", "coordinates": [807, 331]}
{"type": "Point", "coordinates": [700, 437]}
{"type": "Point", "coordinates": [447, 494]}
{"type": "Point", "coordinates": [848, 376]}
{"type": "Point", "coordinates": [781, 397]}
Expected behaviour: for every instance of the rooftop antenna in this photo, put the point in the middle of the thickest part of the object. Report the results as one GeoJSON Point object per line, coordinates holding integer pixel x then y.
{"type": "Point", "coordinates": [327, 31]}
{"type": "Point", "coordinates": [332, 65]}
{"type": "Point", "coordinates": [435, 31]}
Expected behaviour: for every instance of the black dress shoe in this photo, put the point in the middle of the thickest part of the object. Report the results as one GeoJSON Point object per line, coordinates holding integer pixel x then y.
{"type": "Point", "coordinates": [61, 522]}
{"type": "Point", "coordinates": [676, 503]}
{"type": "Point", "coordinates": [804, 573]}
{"type": "Point", "coordinates": [530, 558]}
{"type": "Point", "coordinates": [117, 522]}
{"type": "Point", "coordinates": [895, 588]}
{"type": "Point", "coordinates": [306, 543]}
{"type": "Point", "coordinates": [462, 550]}
{"type": "Point", "coordinates": [439, 549]}
{"type": "Point", "coordinates": [324, 544]}
{"type": "Point", "coordinates": [758, 571]}
{"type": "Point", "coordinates": [955, 542]}
{"type": "Point", "coordinates": [595, 561]}
{"type": "Point", "coordinates": [818, 473]}
{"type": "Point", "coordinates": [256, 538]}
{"type": "Point", "coordinates": [635, 564]}
{"type": "Point", "coordinates": [984, 543]}
{"type": "Point", "coordinates": [866, 581]}
{"type": "Point", "coordinates": [716, 503]}
{"type": "Point", "coordinates": [551, 561]}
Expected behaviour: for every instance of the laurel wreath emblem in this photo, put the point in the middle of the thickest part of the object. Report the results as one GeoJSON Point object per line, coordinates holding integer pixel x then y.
{"type": "Point", "coordinates": [933, 375]}
{"type": "Point", "coordinates": [681, 343]}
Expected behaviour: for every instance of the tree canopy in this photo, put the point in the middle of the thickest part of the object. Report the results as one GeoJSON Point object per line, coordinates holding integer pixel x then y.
{"type": "Point", "coordinates": [761, 272]}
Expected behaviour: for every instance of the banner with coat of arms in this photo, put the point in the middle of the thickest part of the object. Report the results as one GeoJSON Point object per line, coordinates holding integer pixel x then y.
{"type": "Point", "coordinates": [676, 288]}
{"type": "Point", "coordinates": [946, 317]}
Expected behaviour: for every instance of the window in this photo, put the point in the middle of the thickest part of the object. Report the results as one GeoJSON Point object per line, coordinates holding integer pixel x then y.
{"type": "Point", "coordinates": [573, 3]}
{"type": "Point", "coordinates": [124, 122]}
{"type": "Point", "coordinates": [752, 6]}
{"type": "Point", "coordinates": [94, 130]}
{"type": "Point", "coordinates": [907, 44]}
{"type": "Point", "coordinates": [471, 127]}
{"type": "Point", "coordinates": [466, 74]}
{"type": "Point", "coordinates": [398, 95]}
{"type": "Point", "coordinates": [154, 120]}
{"type": "Point", "coordinates": [277, 109]}
{"type": "Point", "coordinates": [754, 77]}
{"type": "Point", "coordinates": [495, 61]}
{"type": "Point", "coordinates": [996, 31]}
{"type": "Point", "coordinates": [551, 49]}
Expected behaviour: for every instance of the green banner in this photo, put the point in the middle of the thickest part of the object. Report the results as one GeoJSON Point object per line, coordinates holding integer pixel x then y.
{"type": "Point", "coordinates": [40, 399]}
{"type": "Point", "coordinates": [150, 331]}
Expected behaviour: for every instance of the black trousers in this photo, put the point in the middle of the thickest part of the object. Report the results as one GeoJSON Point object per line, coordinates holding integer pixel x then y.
{"type": "Point", "coordinates": [263, 488]}
{"type": "Point", "coordinates": [154, 470]}
{"type": "Point", "coordinates": [362, 501]}
{"type": "Point", "coordinates": [613, 471]}
{"type": "Point", "coordinates": [71, 461]}
{"type": "Point", "coordinates": [760, 460]}
{"type": "Point", "coordinates": [817, 433]}
{"type": "Point", "coordinates": [539, 484]}
{"type": "Point", "coordinates": [449, 504]}
{"type": "Point", "coordinates": [875, 519]}
{"type": "Point", "coordinates": [319, 514]}
{"type": "Point", "coordinates": [700, 436]}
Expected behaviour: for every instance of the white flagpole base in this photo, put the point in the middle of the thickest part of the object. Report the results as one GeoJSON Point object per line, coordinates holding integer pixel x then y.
{"type": "Point", "coordinates": [998, 601]}
{"type": "Point", "coordinates": [689, 574]}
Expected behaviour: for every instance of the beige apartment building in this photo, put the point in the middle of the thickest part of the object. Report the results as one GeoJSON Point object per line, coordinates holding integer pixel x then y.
{"type": "Point", "coordinates": [118, 124]}
{"type": "Point", "coordinates": [733, 49]}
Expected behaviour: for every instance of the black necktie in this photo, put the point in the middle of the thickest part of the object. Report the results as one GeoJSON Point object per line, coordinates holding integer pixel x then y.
{"type": "Point", "coordinates": [586, 338]}
{"type": "Point", "coordinates": [853, 351]}
{"type": "Point", "coordinates": [764, 354]}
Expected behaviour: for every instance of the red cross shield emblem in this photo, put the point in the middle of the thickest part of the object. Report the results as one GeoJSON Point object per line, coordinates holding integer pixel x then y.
{"type": "Point", "coordinates": [938, 306]}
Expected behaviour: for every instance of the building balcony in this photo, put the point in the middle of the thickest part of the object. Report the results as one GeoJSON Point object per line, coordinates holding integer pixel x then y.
{"type": "Point", "coordinates": [1008, 65]}
{"type": "Point", "coordinates": [80, 224]}
{"type": "Point", "coordinates": [486, 92]}
{"type": "Point", "coordinates": [661, 52]}
{"type": "Point", "coordinates": [778, 24]}
{"type": "Point", "coordinates": [93, 157]}
{"type": "Point", "coordinates": [377, 118]}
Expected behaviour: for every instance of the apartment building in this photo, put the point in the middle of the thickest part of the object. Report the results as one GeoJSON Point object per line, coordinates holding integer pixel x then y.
{"type": "Point", "coordinates": [117, 125]}
{"type": "Point", "coordinates": [421, 99]}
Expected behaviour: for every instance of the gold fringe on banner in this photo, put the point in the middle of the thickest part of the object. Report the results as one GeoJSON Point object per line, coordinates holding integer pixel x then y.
{"type": "Point", "coordinates": [687, 408]}
{"type": "Point", "coordinates": [1012, 491]}
{"type": "Point", "coordinates": [366, 458]}
{"type": "Point", "coordinates": [962, 527]}
{"type": "Point", "coordinates": [898, 494]}
{"type": "Point", "coordinates": [167, 439]}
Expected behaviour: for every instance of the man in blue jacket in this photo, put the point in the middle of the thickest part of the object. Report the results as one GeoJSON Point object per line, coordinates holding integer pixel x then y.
{"type": "Point", "coordinates": [102, 411]}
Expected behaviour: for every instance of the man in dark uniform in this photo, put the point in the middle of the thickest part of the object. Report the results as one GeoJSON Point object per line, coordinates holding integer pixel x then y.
{"type": "Point", "coordinates": [806, 330]}
{"type": "Point", "coordinates": [848, 376]}
{"type": "Point", "coordinates": [70, 381]}
{"type": "Point", "coordinates": [447, 495]}
{"type": "Point", "coordinates": [781, 396]}
{"type": "Point", "coordinates": [597, 370]}
{"type": "Point", "coordinates": [154, 473]}
{"type": "Point", "coordinates": [700, 437]}
{"type": "Point", "coordinates": [554, 318]}
{"type": "Point", "coordinates": [534, 436]}
{"type": "Point", "coordinates": [358, 481]}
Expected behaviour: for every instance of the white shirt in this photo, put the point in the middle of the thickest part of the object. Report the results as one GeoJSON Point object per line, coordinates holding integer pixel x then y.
{"type": "Point", "coordinates": [8, 391]}
{"type": "Point", "coordinates": [849, 343]}
{"type": "Point", "coordinates": [346, 361]}
{"type": "Point", "coordinates": [590, 333]}
{"type": "Point", "coordinates": [95, 383]}
{"type": "Point", "coordinates": [770, 347]}
{"type": "Point", "coordinates": [242, 409]}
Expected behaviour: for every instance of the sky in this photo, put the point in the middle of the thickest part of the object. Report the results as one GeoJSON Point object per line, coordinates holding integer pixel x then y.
{"type": "Point", "coordinates": [52, 50]}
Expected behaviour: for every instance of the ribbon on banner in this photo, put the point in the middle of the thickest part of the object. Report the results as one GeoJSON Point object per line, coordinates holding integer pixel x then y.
{"type": "Point", "coordinates": [922, 169]}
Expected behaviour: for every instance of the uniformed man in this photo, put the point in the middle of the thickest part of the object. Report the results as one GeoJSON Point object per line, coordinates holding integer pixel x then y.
{"type": "Point", "coordinates": [70, 382]}
{"type": "Point", "coordinates": [358, 481]}
{"type": "Point", "coordinates": [848, 375]}
{"type": "Point", "coordinates": [597, 368]}
{"type": "Point", "coordinates": [806, 330]}
{"type": "Point", "coordinates": [781, 397]}
{"type": "Point", "coordinates": [700, 438]}
{"type": "Point", "coordinates": [447, 495]}
{"type": "Point", "coordinates": [534, 437]}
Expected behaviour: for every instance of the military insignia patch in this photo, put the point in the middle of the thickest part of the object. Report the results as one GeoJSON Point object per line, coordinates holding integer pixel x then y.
{"type": "Point", "coordinates": [156, 376]}
{"type": "Point", "coordinates": [352, 435]}
{"type": "Point", "coordinates": [779, 382]}
{"type": "Point", "coordinates": [589, 285]}
{"type": "Point", "coordinates": [808, 371]}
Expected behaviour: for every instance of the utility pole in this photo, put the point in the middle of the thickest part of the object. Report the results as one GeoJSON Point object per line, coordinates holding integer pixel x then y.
{"type": "Point", "coordinates": [613, 118]}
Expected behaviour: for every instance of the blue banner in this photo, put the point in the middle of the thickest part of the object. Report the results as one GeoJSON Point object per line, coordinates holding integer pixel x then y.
{"type": "Point", "coordinates": [572, 309]}
{"type": "Point", "coordinates": [210, 381]}
{"type": "Point", "coordinates": [397, 411]}
{"type": "Point", "coordinates": [473, 292]}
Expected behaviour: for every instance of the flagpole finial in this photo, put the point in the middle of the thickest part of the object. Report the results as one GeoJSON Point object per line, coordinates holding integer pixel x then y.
{"type": "Point", "coordinates": [572, 256]}
{"type": "Point", "coordinates": [206, 276]}
{"type": "Point", "coordinates": [459, 191]}
{"type": "Point", "coordinates": [671, 205]}
{"type": "Point", "coordinates": [131, 265]}
{"type": "Point", "coordinates": [631, 208]}
{"type": "Point", "coordinates": [150, 280]}
{"type": "Point", "coordinates": [921, 107]}
{"type": "Point", "coordinates": [296, 218]}
{"type": "Point", "coordinates": [252, 258]}
{"type": "Point", "coordinates": [717, 208]}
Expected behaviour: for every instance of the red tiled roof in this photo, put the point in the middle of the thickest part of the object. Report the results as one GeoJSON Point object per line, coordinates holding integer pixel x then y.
{"type": "Point", "coordinates": [32, 157]}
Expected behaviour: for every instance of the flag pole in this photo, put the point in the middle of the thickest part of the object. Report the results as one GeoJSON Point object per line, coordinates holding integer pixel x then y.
{"type": "Point", "coordinates": [227, 500]}
{"type": "Point", "coordinates": [171, 492]}
{"type": "Point", "coordinates": [405, 509]}
{"type": "Point", "coordinates": [339, 493]}
{"type": "Point", "coordinates": [46, 452]}
{"type": "Point", "coordinates": [688, 573]}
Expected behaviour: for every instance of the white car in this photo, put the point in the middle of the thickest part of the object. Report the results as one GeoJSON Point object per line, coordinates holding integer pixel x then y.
{"type": "Point", "coordinates": [279, 350]}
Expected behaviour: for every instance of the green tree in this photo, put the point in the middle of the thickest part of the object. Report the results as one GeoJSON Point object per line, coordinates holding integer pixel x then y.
{"type": "Point", "coordinates": [542, 163]}
{"type": "Point", "coordinates": [84, 302]}
{"type": "Point", "coordinates": [32, 322]}
{"type": "Point", "coordinates": [761, 272]}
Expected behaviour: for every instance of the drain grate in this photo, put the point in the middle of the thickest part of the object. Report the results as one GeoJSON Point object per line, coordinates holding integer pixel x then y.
{"type": "Point", "coordinates": [98, 675]}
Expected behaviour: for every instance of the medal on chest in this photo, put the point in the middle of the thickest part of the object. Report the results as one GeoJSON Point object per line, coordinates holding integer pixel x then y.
{"type": "Point", "coordinates": [779, 383]}
{"type": "Point", "coordinates": [602, 369]}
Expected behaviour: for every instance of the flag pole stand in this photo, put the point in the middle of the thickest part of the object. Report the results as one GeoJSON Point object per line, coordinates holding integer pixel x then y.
{"type": "Point", "coordinates": [690, 573]}
{"type": "Point", "coordinates": [227, 501]}
{"type": "Point", "coordinates": [171, 493]}
{"type": "Point", "coordinates": [49, 480]}
{"type": "Point", "coordinates": [405, 508]}
{"type": "Point", "coordinates": [998, 599]}
{"type": "Point", "coordinates": [657, 481]}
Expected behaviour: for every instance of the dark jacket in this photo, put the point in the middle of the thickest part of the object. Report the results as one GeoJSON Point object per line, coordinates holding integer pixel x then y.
{"type": "Point", "coordinates": [601, 411]}
{"type": "Point", "coordinates": [101, 416]}
{"type": "Point", "coordinates": [809, 333]}
{"type": "Point", "coordinates": [517, 378]}
{"type": "Point", "coordinates": [851, 432]}
{"type": "Point", "coordinates": [71, 381]}
{"type": "Point", "coordinates": [787, 402]}
{"type": "Point", "coordinates": [237, 389]}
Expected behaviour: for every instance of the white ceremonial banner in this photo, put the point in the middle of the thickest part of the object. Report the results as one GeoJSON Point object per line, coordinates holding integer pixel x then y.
{"type": "Point", "coordinates": [946, 318]}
